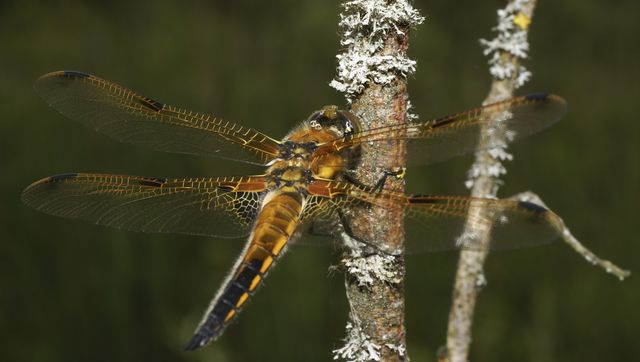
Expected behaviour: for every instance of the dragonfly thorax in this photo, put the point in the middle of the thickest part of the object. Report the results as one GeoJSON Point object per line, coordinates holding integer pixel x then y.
{"type": "Point", "coordinates": [300, 163]}
{"type": "Point", "coordinates": [300, 149]}
{"type": "Point", "coordinates": [290, 178]}
{"type": "Point", "coordinates": [297, 150]}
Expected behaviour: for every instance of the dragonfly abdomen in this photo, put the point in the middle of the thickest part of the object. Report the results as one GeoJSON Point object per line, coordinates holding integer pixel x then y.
{"type": "Point", "coordinates": [274, 226]}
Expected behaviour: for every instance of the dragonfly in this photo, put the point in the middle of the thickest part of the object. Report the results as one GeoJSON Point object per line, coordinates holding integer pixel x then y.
{"type": "Point", "coordinates": [308, 179]}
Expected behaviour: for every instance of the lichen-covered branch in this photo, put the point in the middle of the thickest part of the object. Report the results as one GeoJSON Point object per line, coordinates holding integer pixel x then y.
{"type": "Point", "coordinates": [506, 52]}
{"type": "Point", "coordinates": [372, 70]}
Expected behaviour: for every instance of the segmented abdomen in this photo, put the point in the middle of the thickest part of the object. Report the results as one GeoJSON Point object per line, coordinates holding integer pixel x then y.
{"type": "Point", "coordinates": [274, 226]}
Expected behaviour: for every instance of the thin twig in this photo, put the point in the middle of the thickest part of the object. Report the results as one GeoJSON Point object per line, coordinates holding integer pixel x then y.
{"type": "Point", "coordinates": [506, 52]}
{"type": "Point", "coordinates": [372, 74]}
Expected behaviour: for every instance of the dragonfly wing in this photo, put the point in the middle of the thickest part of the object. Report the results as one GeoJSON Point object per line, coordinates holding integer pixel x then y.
{"type": "Point", "coordinates": [319, 223]}
{"type": "Point", "coordinates": [132, 118]}
{"type": "Point", "coordinates": [224, 207]}
{"type": "Point", "coordinates": [449, 222]}
{"type": "Point", "coordinates": [485, 127]}
{"type": "Point", "coordinates": [459, 222]}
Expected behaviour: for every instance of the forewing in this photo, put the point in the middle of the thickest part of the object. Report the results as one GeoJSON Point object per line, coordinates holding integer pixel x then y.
{"type": "Point", "coordinates": [131, 118]}
{"type": "Point", "coordinates": [224, 207]}
{"type": "Point", "coordinates": [448, 222]}
{"type": "Point", "coordinates": [466, 132]}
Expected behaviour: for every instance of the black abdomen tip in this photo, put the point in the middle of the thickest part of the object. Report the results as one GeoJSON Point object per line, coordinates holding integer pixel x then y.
{"type": "Point", "coordinates": [206, 333]}
{"type": "Point", "coordinates": [196, 342]}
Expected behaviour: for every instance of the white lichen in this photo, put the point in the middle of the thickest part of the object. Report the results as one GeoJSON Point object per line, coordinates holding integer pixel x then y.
{"type": "Point", "coordinates": [512, 39]}
{"type": "Point", "coordinates": [357, 68]}
{"type": "Point", "coordinates": [467, 239]}
{"type": "Point", "coordinates": [410, 115]}
{"type": "Point", "coordinates": [498, 136]}
{"type": "Point", "coordinates": [367, 269]}
{"type": "Point", "coordinates": [358, 346]}
{"type": "Point", "coordinates": [481, 280]}
{"type": "Point", "coordinates": [499, 153]}
{"type": "Point", "coordinates": [400, 350]}
{"type": "Point", "coordinates": [365, 25]}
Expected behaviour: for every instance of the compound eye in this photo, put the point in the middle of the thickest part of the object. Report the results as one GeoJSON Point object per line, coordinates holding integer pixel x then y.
{"type": "Point", "coordinates": [323, 118]}
{"type": "Point", "coordinates": [317, 120]}
{"type": "Point", "coordinates": [330, 112]}
{"type": "Point", "coordinates": [350, 123]}
{"type": "Point", "coordinates": [315, 124]}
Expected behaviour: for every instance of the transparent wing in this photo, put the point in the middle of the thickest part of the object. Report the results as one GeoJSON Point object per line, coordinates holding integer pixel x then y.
{"type": "Point", "coordinates": [318, 224]}
{"type": "Point", "coordinates": [461, 133]}
{"type": "Point", "coordinates": [224, 207]}
{"type": "Point", "coordinates": [459, 222]}
{"type": "Point", "coordinates": [131, 118]}
{"type": "Point", "coordinates": [439, 222]}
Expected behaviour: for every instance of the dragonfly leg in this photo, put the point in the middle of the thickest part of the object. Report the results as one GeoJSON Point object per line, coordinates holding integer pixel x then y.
{"type": "Point", "coordinates": [367, 247]}
{"type": "Point", "coordinates": [395, 172]}
{"type": "Point", "coordinates": [316, 230]}
{"type": "Point", "coordinates": [346, 226]}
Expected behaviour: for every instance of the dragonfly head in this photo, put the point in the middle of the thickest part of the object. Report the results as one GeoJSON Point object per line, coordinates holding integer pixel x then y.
{"type": "Point", "coordinates": [330, 118]}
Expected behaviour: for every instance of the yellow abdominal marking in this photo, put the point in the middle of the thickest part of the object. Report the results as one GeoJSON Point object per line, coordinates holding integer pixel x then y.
{"type": "Point", "coordinates": [254, 283]}
{"type": "Point", "coordinates": [243, 298]}
{"type": "Point", "coordinates": [266, 264]}
{"type": "Point", "coordinates": [229, 316]}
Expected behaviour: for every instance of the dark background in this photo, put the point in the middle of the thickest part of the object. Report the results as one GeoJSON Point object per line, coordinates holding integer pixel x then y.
{"type": "Point", "coordinates": [71, 291]}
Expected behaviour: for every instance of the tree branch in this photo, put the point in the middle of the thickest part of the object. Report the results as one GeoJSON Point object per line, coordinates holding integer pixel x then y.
{"type": "Point", "coordinates": [372, 74]}
{"type": "Point", "coordinates": [506, 52]}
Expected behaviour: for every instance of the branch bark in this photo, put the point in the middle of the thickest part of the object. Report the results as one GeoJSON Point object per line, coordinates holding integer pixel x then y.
{"type": "Point", "coordinates": [508, 74]}
{"type": "Point", "coordinates": [507, 51]}
{"type": "Point", "coordinates": [372, 74]}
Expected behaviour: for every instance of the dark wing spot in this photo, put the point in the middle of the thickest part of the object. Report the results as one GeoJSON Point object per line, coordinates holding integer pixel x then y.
{"type": "Point", "coordinates": [227, 188]}
{"type": "Point", "coordinates": [442, 121]}
{"type": "Point", "coordinates": [75, 74]}
{"type": "Point", "coordinates": [62, 177]}
{"type": "Point", "coordinates": [152, 181]}
{"type": "Point", "coordinates": [537, 97]}
{"type": "Point", "coordinates": [150, 103]}
{"type": "Point", "coordinates": [529, 206]}
{"type": "Point", "coordinates": [423, 199]}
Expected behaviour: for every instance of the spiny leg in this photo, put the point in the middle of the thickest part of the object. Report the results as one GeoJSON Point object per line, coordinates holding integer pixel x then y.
{"type": "Point", "coordinates": [395, 172]}
{"type": "Point", "coordinates": [368, 248]}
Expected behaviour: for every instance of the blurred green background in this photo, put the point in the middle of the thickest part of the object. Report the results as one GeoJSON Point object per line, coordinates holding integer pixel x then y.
{"type": "Point", "coordinates": [71, 291]}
